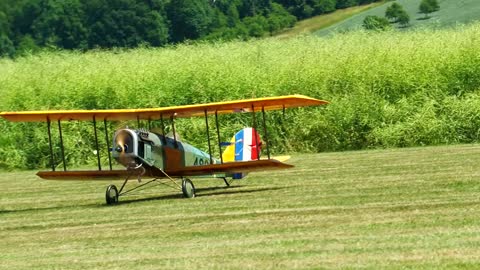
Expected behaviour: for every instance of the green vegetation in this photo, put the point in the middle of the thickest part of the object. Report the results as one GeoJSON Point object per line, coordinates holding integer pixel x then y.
{"type": "Point", "coordinates": [451, 13]}
{"type": "Point", "coordinates": [322, 21]}
{"type": "Point", "coordinates": [30, 25]}
{"type": "Point", "coordinates": [376, 23]}
{"type": "Point", "coordinates": [428, 6]}
{"type": "Point", "coordinates": [415, 208]}
{"type": "Point", "coordinates": [389, 89]}
{"type": "Point", "coordinates": [394, 12]}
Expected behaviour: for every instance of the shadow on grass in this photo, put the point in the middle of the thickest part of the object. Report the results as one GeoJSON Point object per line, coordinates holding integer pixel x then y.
{"type": "Point", "coordinates": [199, 191]}
{"type": "Point", "coordinates": [423, 18]}
{"type": "Point", "coordinates": [209, 192]}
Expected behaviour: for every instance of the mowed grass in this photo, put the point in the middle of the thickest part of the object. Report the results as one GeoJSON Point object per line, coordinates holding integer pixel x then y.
{"type": "Point", "coordinates": [321, 21]}
{"type": "Point", "coordinates": [451, 13]}
{"type": "Point", "coordinates": [395, 209]}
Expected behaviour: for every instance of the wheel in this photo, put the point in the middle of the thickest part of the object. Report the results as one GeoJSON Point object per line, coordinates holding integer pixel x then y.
{"type": "Point", "coordinates": [111, 195]}
{"type": "Point", "coordinates": [188, 188]}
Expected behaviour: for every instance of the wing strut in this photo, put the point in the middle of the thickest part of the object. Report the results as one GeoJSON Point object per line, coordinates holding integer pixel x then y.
{"type": "Point", "coordinates": [265, 131]}
{"type": "Point", "coordinates": [96, 142]}
{"type": "Point", "coordinates": [107, 140]}
{"type": "Point", "coordinates": [208, 138]}
{"type": "Point", "coordinates": [174, 133]}
{"type": "Point", "coordinates": [254, 120]}
{"type": "Point", "coordinates": [218, 136]}
{"type": "Point", "coordinates": [61, 145]}
{"type": "Point", "coordinates": [52, 161]}
{"type": "Point", "coordinates": [162, 126]}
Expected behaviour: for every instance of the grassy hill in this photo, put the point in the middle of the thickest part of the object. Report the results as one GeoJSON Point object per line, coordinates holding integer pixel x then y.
{"type": "Point", "coordinates": [451, 13]}
{"type": "Point", "coordinates": [398, 209]}
{"type": "Point", "coordinates": [323, 21]}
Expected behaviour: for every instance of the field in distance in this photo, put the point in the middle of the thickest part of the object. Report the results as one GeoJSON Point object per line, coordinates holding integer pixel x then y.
{"type": "Point", "coordinates": [323, 21]}
{"type": "Point", "coordinates": [450, 14]}
{"type": "Point", "coordinates": [396, 209]}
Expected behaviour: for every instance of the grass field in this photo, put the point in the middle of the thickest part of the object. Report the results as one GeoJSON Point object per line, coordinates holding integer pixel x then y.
{"type": "Point", "coordinates": [322, 21]}
{"type": "Point", "coordinates": [450, 13]}
{"type": "Point", "coordinates": [406, 208]}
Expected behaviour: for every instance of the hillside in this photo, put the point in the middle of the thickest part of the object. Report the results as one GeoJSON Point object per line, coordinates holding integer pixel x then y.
{"type": "Point", "coordinates": [415, 208]}
{"type": "Point", "coordinates": [451, 13]}
{"type": "Point", "coordinates": [322, 21]}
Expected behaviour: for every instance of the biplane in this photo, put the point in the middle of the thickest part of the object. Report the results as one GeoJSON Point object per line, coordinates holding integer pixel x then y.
{"type": "Point", "coordinates": [154, 155]}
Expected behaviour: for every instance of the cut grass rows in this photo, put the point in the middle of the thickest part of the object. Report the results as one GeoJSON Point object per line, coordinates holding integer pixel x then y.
{"type": "Point", "coordinates": [396, 209]}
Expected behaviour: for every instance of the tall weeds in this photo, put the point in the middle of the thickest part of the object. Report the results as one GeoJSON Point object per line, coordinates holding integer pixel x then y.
{"type": "Point", "coordinates": [386, 90]}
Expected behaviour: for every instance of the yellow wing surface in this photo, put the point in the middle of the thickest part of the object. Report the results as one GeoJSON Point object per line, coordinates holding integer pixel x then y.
{"type": "Point", "coordinates": [212, 169]}
{"type": "Point", "coordinates": [236, 106]}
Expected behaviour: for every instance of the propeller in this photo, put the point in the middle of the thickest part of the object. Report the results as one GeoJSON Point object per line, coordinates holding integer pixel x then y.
{"type": "Point", "coordinates": [123, 142]}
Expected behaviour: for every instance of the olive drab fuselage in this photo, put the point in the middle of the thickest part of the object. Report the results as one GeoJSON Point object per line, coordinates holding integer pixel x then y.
{"type": "Point", "coordinates": [155, 150]}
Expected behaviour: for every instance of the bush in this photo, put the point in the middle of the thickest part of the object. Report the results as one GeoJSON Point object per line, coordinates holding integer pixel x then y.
{"type": "Point", "coordinates": [376, 23]}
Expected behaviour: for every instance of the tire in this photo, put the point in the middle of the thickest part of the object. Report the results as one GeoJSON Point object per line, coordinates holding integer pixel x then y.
{"type": "Point", "coordinates": [111, 195]}
{"type": "Point", "coordinates": [188, 189]}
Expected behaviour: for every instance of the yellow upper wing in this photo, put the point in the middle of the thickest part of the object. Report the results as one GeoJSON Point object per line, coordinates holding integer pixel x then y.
{"type": "Point", "coordinates": [244, 105]}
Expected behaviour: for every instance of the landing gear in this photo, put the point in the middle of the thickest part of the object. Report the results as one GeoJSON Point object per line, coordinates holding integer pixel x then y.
{"type": "Point", "coordinates": [111, 195]}
{"type": "Point", "coordinates": [188, 188]}
{"type": "Point", "coordinates": [226, 182]}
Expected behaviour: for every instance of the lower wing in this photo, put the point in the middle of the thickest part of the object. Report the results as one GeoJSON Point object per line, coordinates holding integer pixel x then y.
{"type": "Point", "coordinates": [204, 170]}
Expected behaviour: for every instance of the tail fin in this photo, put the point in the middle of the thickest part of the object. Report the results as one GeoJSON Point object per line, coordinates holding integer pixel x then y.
{"type": "Point", "coordinates": [245, 145]}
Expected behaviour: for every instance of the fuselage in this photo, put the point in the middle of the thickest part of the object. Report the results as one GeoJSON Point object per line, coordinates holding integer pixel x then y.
{"type": "Point", "coordinates": [140, 147]}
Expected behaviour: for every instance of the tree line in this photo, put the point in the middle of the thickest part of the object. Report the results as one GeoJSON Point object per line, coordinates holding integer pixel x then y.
{"type": "Point", "coordinates": [29, 25]}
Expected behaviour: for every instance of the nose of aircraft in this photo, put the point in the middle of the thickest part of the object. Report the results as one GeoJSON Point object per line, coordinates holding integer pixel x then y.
{"type": "Point", "coordinates": [124, 147]}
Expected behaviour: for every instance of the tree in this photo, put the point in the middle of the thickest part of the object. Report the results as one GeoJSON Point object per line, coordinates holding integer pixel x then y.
{"type": "Point", "coordinates": [403, 19]}
{"type": "Point", "coordinates": [256, 25]}
{"type": "Point", "coordinates": [61, 24]}
{"type": "Point", "coordinates": [279, 18]}
{"type": "Point", "coordinates": [6, 45]}
{"type": "Point", "coordinates": [428, 6]}
{"type": "Point", "coordinates": [376, 23]}
{"type": "Point", "coordinates": [346, 3]}
{"type": "Point", "coordinates": [125, 23]}
{"type": "Point", "coordinates": [190, 19]}
{"type": "Point", "coordinates": [393, 12]}
{"type": "Point", "coordinates": [324, 6]}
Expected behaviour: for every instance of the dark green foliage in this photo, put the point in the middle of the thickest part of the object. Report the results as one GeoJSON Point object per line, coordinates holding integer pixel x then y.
{"type": "Point", "coordinates": [428, 6]}
{"type": "Point", "coordinates": [403, 19]}
{"type": "Point", "coordinates": [346, 3]}
{"type": "Point", "coordinates": [279, 19]}
{"type": "Point", "coordinates": [324, 6]}
{"type": "Point", "coordinates": [125, 23]}
{"type": "Point", "coordinates": [6, 46]}
{"type": "Point", "coordinates": [393, 12]}
{"type": "Point", "coordinates": [60, 24]}
{"type": "Point", "coordinates": [27, 26]}
{"type": "Point", "coordinates": [397, 14]}
{"type": "Point", "coordinates": [375, 23]}
{"type": "Point", "coordinates": [190, 19]}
